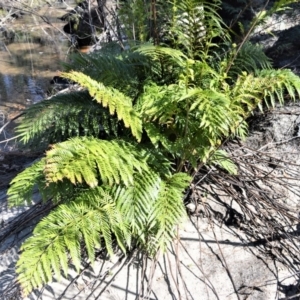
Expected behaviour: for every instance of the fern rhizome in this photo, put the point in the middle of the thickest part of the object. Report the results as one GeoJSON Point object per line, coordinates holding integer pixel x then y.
{"type": "Point", "coordinates": [120, 152]}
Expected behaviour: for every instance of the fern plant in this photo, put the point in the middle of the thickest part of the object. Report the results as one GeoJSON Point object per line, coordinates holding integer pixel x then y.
{"type": "Point", "coordinates": [120, 151]}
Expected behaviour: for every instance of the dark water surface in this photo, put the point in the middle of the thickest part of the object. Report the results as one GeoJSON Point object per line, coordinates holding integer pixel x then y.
{"type": "Point", "coordinates": [28, 63]}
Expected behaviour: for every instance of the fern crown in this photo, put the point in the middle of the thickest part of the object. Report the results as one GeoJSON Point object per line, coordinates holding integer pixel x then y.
{"type": "Point", "coordinates": [120, 151]}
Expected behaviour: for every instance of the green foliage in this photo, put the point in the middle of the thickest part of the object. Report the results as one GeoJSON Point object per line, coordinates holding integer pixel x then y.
{"type": "Point", "coordinates": [221, 159]}
{"type": "Point", "coordinates": [81, 160]}
{"type": "Point", "coordinates": [143, 206]}
{"type": "Point", "coordinates": [249, 58]}
{"type": "Point", "coordinates": [135, 14]}
{"type": "Point", "coordinates": [116, 101]}
{"type": "Point", "coordinates": [136, 203]}
{"type": "Point", "coordinates": [121, 147]}
{"type": "Point", "coordinates": [31, 180]}
{"type": "Point", "coordinates": [112, 68]}
{"type": "Point", "coordinates": [167, 213]}
{"type": "Point", "coordinates": [91, 217]}
{"type": "Point", "coordinates": [195, 25]}
{"type": "Point", "coordinates": [64, 116]}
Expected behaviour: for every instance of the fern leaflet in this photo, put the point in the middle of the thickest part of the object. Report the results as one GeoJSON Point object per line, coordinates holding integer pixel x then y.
{"type": "Point", "coordinates": [116, 101]}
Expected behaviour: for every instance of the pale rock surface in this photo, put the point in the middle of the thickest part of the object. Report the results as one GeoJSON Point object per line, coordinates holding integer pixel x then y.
{"type": "Point", "coordinates": [202, 256]}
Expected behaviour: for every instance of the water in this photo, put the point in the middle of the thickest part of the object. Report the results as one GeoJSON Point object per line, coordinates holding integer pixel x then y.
{"type": "Point", "coordinates": [29, 62]}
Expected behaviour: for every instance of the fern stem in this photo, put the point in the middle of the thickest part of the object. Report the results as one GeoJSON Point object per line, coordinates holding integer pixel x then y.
{"type": "Point", "coordinates": [239, 14]}
{"type": "Point", "coordinates": [154, 18]}
{"type": "Point", "coordinates": [183, 158]}
{"type": "Point", "coordinates": [122, 261]}
{"type": "Point", "coordinates": [245, 39]}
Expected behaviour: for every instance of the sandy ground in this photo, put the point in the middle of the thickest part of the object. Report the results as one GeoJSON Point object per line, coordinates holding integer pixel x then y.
{"type": "Point", "coordinates": [207, 263]}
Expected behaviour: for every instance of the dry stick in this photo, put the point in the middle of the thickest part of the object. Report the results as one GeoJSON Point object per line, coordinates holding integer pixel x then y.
{"type": "Point", "coordinates": [87, 284]}
{"type": "Point", "coordinates": [100, 274]}
{"type": "Point", "coordinates": [73, 280]}
{"type": "Point", "coordinates": [31, 11]}
{"type": "Point", "coordinates": [292, 297]}
{"type": "Point", "coordinates": [258, 178]}
{"type": "Point", "coordinates": [11, 120]}
{"type": "Point", "coordinates": [272, 157]}
{"type": "Point", "coordinates": [112, 12]}
{"type": "Point", "coordinates": [151, 275]}
{"type": "Point", "coordinates": [285, 234]}
{"type": "Point", "coordinates": [276, 278]}
{"type": "Point", "coordinates": [178, 269]}
{"type": "Point", "coordinates": [116, 273]}
{"type": "Point", "coordinates": [11, 289]}
{"type": "Point", "coordinates": [274, 205]}
{"type": "Point", "coordinates": [284, 112]}
{"type": "Point", "coordinates": [20, 223]}
{"type": "Point", "coordinates": [9, 14]}
{"type": "Point", "coordinates": [226, 266]}
{"type": "Point", "coordinates": [279, 143]}
{"type": "Point", "coordinates": [203, 177]}
{"type": "Point", "coordinates": [267, 173]}
{"type": "Point", "coordinates": [201, 269]}
{"type": "Point", "coordinates": [239, 14]}
{"type": "Point", "coordinates": [290, 62]}
{"type": "Point", "coordinates": [40, 293]}
{"type": "Point", "coordinates": [289, 276]}
{"type": "Point", "coordinates": [143, 275]}
{"type": "Point", "coordinates": [244, 40]}
{"type": "Point", "coordinates": [172, 275]}
{"type": "Point", "coordinates": [106, 273]}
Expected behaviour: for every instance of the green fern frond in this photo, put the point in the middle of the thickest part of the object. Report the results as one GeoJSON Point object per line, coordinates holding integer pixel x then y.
{"type": "Point", "coordinates": [32, 180]}
{"type": "Point", "coordinates": [64, 116]}
{"type": "Point", "coordinates": [136, 201]}
{"type": "Point", "coordinates": [277, 83]}
{"type": "Point", "coordinates": [91, 218]}
{"type": "Point", "coordinates": [195, 25]}
{"type": "Point", "coordinates": [250, 58]}
{"type": "Point", "coordinates": [123, 71]}
{"type": "Point", "coordinates": [168, 209]}
{"type": "Point", "coordinates": [22, 186]}
{"type": "Point", "coordinates": [164, 116]}
{"type": "Point", "coordinates": [156, 160]}
{"type": "Point", "coordinates": [211, 116]}
{"type": "Point", "coordinates": [159, 138]}
{"type": "Point", "coordinates": [102, 66]}
{"type": "Point", "coordinates": [84, 159]}
{"type": "Point", "coordinates": [268, 86]}
{"type": "Point", "coordinates": [241, 129]}
{"type": "Point", "coordinates": [160, 102]}
{"type": "Point", "coordinates": [116, 101]}
{"type": "Point", "coordinates": [179, 102]}
{"type": "Point", "coordinates": [220, 158]}
{"type": "Point", "coordinates": [93, 215]}
{"type": "Point", "coordinates": [214, 108]}
{"type": "Point", "coordinates": [157, 52]}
